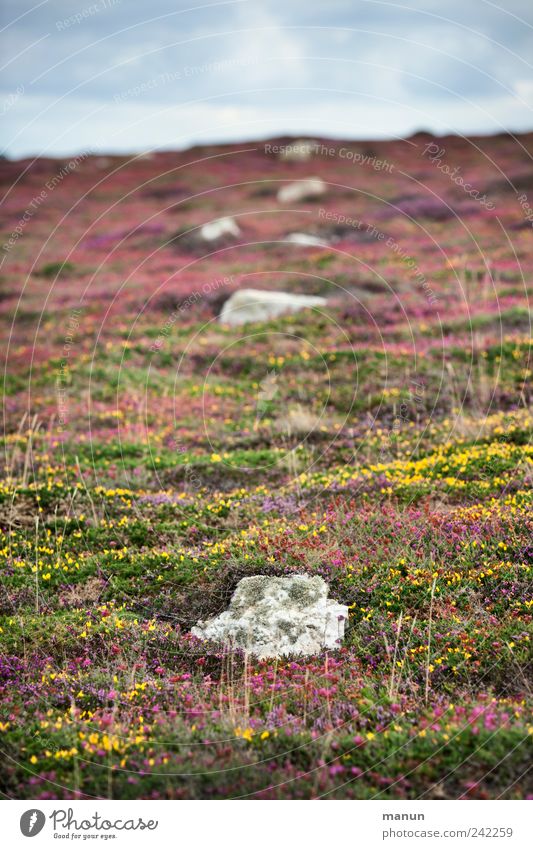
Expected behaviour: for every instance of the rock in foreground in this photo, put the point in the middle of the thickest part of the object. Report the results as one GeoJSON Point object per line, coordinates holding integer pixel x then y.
{"type": "Point", "coordinates": [256, 305]}
{"type": "Point", "coordinates": [272, 617]}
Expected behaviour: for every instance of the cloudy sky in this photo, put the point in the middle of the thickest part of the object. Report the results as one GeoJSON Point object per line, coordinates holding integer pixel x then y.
{"type": "Point", "coordinates": [130, 75]}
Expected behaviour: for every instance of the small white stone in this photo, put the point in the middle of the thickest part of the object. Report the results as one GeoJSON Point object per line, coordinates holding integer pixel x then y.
{"type": "Point", "coordinates": [214, 230]}
{"type": "Point", "coordinates": [306, 239]}
{"type": "Point", "coordinates": [298, 151]}
{"type": "Point", "coordinates": [302, 190]}
{"type": "Point", "coordinates": [255, 305]}
{"type": "Point", "coordinates": [273, 617]}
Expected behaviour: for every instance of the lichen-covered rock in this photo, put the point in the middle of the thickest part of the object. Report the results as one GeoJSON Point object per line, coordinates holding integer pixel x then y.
{"type": "Point", "coordinates": [256, 305]}
{"type": "Point", "coordinates": [272, 617]}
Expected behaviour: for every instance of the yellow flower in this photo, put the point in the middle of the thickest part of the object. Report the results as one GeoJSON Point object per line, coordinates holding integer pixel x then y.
{"type": "Point", "coordinates": [216, 458]}
{"type": "Point", "coordinates": [247, 734]}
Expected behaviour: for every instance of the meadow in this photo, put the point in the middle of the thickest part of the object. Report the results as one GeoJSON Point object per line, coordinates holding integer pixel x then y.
{"type": "Point", "coordinates": [153, 457]}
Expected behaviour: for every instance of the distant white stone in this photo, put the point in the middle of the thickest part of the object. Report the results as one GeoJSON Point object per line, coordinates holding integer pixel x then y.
{"type": "Point", "coordinates": [272, 617]}
{"type": "Point", "coordinates": [306, 239]}
{"type": "Point", "coordinates": [299, 150]}
{"type": "Point", "coordinates": [302, 190]}
{"type": "Point", "coordinates": [214, 230]}
{"type": "Point", "coordinates": [255, 305]}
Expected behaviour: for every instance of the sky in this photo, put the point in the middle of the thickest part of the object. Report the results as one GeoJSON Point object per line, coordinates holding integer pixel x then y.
{"type": "Point", "coordinates": [123, 76]}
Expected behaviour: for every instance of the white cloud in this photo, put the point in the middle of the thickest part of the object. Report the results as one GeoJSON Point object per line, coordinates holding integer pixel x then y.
{"type": "Point", "coordinates": [273, 55]}
{"type": "Point", "coordinates": [524, 90]}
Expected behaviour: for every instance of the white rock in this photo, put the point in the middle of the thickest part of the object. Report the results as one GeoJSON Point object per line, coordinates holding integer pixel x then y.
{"type": "Point", "coordinates": [256, 305]}
{"type": "Point", "coordinates": [306, 239]}
{"type": "Point", "coordinates": [302, 190]}
{"type": "Point", "coordinates": [298, 151]}
{"type": "Point", "coordinates": [271, 617]}
{"type": "Point", "coordinates": [214, 230]}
